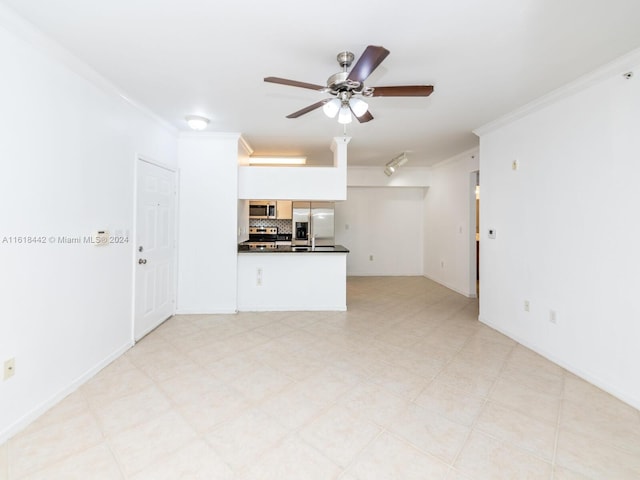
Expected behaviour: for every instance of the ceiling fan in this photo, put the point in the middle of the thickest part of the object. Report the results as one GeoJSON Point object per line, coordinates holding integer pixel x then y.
{"type": "Point", "coordinates": [348, 87]}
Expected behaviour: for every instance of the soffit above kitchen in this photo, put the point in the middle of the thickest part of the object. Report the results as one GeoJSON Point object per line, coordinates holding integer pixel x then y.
{"type": "Point", "coordinates": [484, 59]}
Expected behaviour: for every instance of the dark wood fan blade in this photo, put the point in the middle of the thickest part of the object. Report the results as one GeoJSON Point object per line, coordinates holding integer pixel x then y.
{"type": "Point", "coordinates": [365, 117]}
{"type": "Point", "coordinates": [293, 83]}
{"type": "Point", "coordinates": [367, 63]}
{"type": "Point", "coordinates": [403, 91]}
{"type": "Point", "coordinates": [309, 108]}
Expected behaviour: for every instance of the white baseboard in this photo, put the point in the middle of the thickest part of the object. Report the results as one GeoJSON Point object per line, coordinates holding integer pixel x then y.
{"type": "Point", "coordinates": [598, 382]}
{"type": "Point", "coordinates": [451, 287]}
{"type": "Point", "coordinates": [205, 311]}
{"type": "Point", "coordinates": [29, 417]}
{"type": "Point", "coordinates": [289, 308]}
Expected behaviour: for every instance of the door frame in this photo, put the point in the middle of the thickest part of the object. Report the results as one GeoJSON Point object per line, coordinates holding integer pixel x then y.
{"type": "Point", "coordinates": [474, 179]}
{"type": "Point", "coordinates": [175, 172]}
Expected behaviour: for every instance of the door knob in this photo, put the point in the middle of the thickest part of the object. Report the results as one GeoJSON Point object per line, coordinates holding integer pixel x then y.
{"type": "Point", "coordinates": [142, 261]}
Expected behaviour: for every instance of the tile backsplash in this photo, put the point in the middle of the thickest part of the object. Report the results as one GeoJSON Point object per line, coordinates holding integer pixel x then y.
{"type": "Point", "coordinates": [284, 226]}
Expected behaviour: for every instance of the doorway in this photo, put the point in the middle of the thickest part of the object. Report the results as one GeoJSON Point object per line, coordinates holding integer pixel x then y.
{"type": "Point", "coordinates": [155, 247]}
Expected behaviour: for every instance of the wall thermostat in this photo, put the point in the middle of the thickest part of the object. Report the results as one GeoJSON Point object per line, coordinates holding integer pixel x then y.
{"type": "Point", "coordinates": [101, 238]}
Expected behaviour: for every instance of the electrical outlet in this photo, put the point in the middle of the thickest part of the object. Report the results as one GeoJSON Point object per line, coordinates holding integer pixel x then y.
{"type": "Point", "coordinates": [553, 316]}
{"type": "Point", "coordinates": [526, 305]}
{"type": "Point", "coordinates": [515, 165]}
{"type": "Point", "coordinates": [259, 277]}
{"type": "Point", "coordinates": [371, 258]}
{"type": "Point", "coordinates": [9, 368]}
{"type": "Point", "coordinates": [441, 263]}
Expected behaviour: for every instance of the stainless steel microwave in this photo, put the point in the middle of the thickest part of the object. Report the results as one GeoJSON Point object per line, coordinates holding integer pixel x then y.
{"type": "Point", "coordinates": [262, 209]}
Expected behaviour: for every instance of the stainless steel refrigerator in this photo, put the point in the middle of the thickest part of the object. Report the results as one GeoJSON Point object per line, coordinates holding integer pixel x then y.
{"type": "Point", "coordinates": [313, 219]}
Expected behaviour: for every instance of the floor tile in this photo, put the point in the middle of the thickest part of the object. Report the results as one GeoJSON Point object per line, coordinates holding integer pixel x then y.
{"type": "Point", "coordinates": [71, 406]}
{"type": "Point", "coordinates": [34, 450]}
{"type": "Point", "coordinates": [125, 412]}
{"type": "Point", "coordinates": [294, 406]}
{"type": "Point", "coordinates": [292, 460]}
{"type": "Point", "coordinates": [373, 403]}
{"type": "Point", "coordinates": [592, 458]}
{"type": "Point", "coordinates": [485, 458]}
{"type": "Point", "coordinates": [390, 458]}
{"type": "Point", "coordinates": [518, 429]}
{"type": "Point", "coordinates": [190, 387]}
{"type": "Point", "coordinates": [620, 428]}
{"type": "Point", "coordinates": [561, 473]}
{"type": "Point", "coordinates": [145, 444]}
{"type": "Point", "coordinates": [95, 463]}
{"type": "Point", "coordinates": [451, 403]}
{"type": "Point", "coordinates": [538, 404]}
{"type": "Point", "coordinates": [194, 461]}
{"type": "Point", "coordinates": [399, 381]}
{"type": "Point", "coordinates": [430, 432]}
{"type": "Point", "coordinates": [165, 364]}
{"type": "Point", "coordinates": [469, 383]}
{"type": "Point", "coordinates": [107, 386]}
{"type": "Point", "coordinates": [241, 441]}
{"type": "Point", "coordinates": [261, 383]}
{"type": "Point", "coordinates": [339, 434]}
{"type": "Point", "coordinates": [216, 406]}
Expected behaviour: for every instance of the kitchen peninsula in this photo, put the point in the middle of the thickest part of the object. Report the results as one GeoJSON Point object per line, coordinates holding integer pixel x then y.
{"type": "Point", "coordinates": [289, 278]}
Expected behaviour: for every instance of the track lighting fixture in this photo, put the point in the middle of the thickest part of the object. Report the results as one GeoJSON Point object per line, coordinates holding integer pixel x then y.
{"type": "Point", "coordinates": [392, 165]}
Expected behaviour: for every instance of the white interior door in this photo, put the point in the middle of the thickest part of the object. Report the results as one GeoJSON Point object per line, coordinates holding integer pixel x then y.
{"type": "Point", "coordinates": [155, 247]}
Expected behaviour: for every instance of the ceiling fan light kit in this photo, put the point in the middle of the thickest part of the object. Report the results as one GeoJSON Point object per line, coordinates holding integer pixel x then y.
{"type": "Point", "coordinates": [344, 116]}
{"type": "Point", "coordinates": [331, 108]}
{"type": "Point", "coordinates": [348, 86]}
{"type": "Point", "coordinates": [358, 107]}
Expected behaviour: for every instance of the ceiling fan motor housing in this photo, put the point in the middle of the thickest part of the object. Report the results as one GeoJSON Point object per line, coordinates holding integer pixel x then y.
{"type": "Point", "coordinates": [345, 59]}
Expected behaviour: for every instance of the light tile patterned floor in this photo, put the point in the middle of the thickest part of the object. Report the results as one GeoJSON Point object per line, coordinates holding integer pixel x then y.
{"type": "Point", "coordinates": [405, 385]}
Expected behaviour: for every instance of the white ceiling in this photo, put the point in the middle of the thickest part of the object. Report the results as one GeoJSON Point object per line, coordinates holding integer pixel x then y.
{"type": "Point", "coordinates": [484, 58]}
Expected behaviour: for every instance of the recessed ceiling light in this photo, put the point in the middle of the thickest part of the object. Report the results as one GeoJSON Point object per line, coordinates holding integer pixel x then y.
{"type": "Point", "coordinates": [197, 122]}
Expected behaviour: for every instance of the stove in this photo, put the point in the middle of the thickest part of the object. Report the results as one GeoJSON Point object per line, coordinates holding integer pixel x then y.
{"type": "Point", "coordinates": [262, 238]}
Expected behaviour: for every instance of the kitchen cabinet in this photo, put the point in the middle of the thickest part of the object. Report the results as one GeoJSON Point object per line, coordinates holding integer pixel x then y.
{"type": "Point", "coordinates": [284, 210]}
{"type": "Point", "coordinates": [292, 281]}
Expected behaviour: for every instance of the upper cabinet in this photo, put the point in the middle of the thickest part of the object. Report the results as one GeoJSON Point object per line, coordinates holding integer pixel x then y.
{"type": "Point", "coordinates": [284, 210]}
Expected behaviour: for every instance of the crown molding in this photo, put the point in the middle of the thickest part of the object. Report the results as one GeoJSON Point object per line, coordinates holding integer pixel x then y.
{"type": "Point", "coordinates": [617, 67]}
{"type": "Point", "coordinates": [26, 31]}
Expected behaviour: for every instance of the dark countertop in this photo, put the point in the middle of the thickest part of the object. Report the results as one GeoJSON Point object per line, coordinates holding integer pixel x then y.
{"type": "Point", "coordinates": [294, 249]}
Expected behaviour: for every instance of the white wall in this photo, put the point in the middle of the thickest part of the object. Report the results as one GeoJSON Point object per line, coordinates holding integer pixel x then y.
{"type": "Point", "coordinates": [208, 223]}
{"type": "Point", "coordinates": [297, 183]}
{"type": "Point", "coordinates": [383, 222]}
{"type": "Point", "coordinates": [567, 229]}
{"type": "Point", "coordinates": [449, 218]}
{"type": "Point", "coordinates": [405, 176]}
{"type": "Point", "coordinates": [68, 154]}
